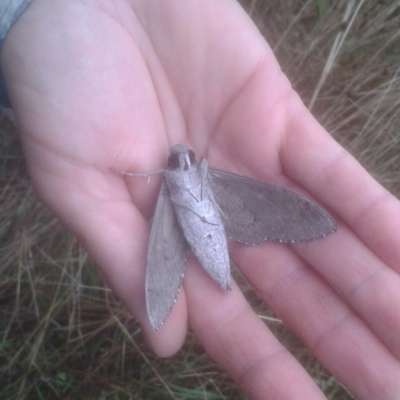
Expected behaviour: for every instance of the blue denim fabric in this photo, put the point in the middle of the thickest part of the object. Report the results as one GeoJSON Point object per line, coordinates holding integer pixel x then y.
{"type": "Point", "coordinates": [10, 10]}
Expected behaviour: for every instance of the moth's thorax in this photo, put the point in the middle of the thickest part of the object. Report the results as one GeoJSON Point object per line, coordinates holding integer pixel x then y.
{"type": "Point", "coordinates": [184, 182]}
{"type": "Point", "coordinates": [190, 191]}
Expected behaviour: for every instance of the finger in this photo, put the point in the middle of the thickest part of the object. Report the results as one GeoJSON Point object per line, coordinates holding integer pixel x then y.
{"type": "Point", "coordinates": [317, 314]}
{"type": "Point", "coordinates": [237, 339]}
{"type": "Point", "coordinates": [363, 280]}
{"type": "Point", "coordinates": [313, 158]}
{"type": "Point", "coordinates": [358, 273]}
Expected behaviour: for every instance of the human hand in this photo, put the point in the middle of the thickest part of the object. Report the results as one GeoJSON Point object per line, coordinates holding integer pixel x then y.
{"type": "Point", "coordinates": [107, 84]}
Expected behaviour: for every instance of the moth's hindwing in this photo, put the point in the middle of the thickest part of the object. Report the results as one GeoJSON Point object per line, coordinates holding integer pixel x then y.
{"type": "Point", "coordinates": [254, 211]}
{"type": "Point", "coordinates": [165, 260]}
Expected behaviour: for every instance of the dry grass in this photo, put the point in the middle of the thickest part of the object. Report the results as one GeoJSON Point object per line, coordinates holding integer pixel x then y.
{"type": "Point", "coordinates": [343, 59]}
{"type": "Point", "coordinates": [63, 335]}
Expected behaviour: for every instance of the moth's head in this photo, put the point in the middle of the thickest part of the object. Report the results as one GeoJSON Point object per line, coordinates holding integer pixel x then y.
{"type": "Point", "coordinates": [180, 158]}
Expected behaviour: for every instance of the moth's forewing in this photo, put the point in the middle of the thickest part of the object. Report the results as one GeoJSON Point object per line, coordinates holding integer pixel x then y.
{"type": "Point", "coordinates": [254, 211]}
{"type": "Point", "coordinates": [200, 220]}
{"type": "Point", "coordinates": [166, 258]}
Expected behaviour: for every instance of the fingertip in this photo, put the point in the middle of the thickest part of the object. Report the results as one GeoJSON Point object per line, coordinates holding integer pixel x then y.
{"type": "Point", "coordinates": [169, 338]}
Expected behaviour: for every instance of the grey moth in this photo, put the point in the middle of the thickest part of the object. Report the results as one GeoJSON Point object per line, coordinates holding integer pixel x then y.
{"type": "Point", "coordinates": [198, 207]}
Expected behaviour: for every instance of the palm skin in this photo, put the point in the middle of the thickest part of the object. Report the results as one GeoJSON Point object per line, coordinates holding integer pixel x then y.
{"type": "Point", "coordinates": [101, 84]}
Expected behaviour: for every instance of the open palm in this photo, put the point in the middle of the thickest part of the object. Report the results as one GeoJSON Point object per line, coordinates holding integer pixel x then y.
{"type": "Point", "coordinates": [113, 84]}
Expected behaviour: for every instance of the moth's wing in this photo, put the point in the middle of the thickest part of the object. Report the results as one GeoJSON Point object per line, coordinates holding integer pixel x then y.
{"type": "Point", "coordinates": [254, 211]}
{"type": "Point", "coordinates": [166, 258]}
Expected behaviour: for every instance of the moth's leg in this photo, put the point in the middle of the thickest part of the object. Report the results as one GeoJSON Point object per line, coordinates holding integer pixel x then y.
{"type": "Point", "coordinates": [203, 171]}
{"type": "Point", "coordinates": [205, 178]}
{"type": "Point", "coordinates": [216, 205]}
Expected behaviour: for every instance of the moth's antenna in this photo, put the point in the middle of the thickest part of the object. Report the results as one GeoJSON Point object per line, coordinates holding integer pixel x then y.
{"type": "Point", "coordinates": [143, 174]}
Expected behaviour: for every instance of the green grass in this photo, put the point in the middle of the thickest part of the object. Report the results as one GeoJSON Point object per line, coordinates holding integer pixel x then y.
{"type": "Point", "coordinates": [63, 334]}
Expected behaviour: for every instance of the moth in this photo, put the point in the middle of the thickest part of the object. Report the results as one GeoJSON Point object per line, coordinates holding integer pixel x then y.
{"type": "Point", "coordinates": [199, 207]}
